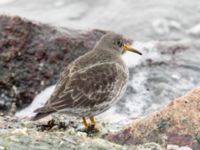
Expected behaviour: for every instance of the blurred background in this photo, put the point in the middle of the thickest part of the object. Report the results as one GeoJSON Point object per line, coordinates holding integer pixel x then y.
{"type": "Point", "coordinates": [141, 20]}
{"type": "Point", "coordinates": [166, 31]}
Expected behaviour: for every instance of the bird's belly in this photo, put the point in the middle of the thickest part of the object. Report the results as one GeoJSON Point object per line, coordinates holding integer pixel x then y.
{"type": "Point", "coordinates": [105, 103]}
{"type": "Point", "coordinates": [97, 108]}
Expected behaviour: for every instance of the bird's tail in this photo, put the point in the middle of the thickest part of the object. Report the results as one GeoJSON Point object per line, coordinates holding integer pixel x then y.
{"type": "Point", "coordinates": [39, 116]}
{"type": "Point", "coordinates": [41, 113]}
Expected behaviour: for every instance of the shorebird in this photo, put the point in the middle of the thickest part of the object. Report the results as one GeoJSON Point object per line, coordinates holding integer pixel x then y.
{"type": "Point", "coordinates": [92, 83]}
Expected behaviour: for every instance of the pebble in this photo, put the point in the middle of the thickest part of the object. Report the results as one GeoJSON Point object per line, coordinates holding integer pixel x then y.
{"type": "Point", "coordinates": [176, 147]}
{"type": "Point", "coordinates": [2, 147]}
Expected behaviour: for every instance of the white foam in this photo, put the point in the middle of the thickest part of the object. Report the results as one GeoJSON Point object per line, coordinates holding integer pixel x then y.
{"type": "Point", "coordinates": [38, 101]}
{"type": "Point", "coordinates": [161, 26]}
{"type": "Point", "coordinates": [59, 3]}
{"type": "Point", "coordinates": [164, 26]}
{"type": "Point", "coordinates": [195, 30]}
{"type": "Point", "coordinates": [2, 2]}
{"type": "Point", "coordinates": [132, 59]}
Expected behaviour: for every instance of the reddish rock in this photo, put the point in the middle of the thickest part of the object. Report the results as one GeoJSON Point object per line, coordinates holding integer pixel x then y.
{"type": "Point", "coordinates": [32, 56]}
{"type": "Point", "coordinates": [177, 123]}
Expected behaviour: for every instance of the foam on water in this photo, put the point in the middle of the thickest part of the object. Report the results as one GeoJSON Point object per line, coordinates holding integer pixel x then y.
{"type": "Point", "coordinates": [140, 20]}
{"type": "Point", "coordinates": [3, 2]}
{"type": "Point", "coordinates": [38, 101]}
{"type": "Point", "coordinates": [195, 30]}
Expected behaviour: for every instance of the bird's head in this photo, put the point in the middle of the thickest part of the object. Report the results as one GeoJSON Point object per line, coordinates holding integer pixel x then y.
{"type": "Point", "coordinates": [115, 42]}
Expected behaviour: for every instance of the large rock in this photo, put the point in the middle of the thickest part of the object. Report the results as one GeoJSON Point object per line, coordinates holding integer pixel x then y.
{"type": "Point", "coordinates": [23, 134]}
{"type": "Point", "coordinates": [177, 123]}
{"type": "Point", "coordinates": [32, 56]}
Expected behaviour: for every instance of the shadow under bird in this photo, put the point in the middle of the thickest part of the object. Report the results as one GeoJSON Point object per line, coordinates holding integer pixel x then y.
{"type": "Point", "coordinates": [92, 83]}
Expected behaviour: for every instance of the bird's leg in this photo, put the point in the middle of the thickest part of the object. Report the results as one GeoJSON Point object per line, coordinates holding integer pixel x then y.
{"type": "Point", "coordinates": [93, 121]}
{"type": "Point", "coordinates": [84, 122]}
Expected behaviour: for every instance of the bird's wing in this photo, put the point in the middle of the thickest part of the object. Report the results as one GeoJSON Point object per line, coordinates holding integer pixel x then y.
{"type": "Point", "coordinates": [87, 87]}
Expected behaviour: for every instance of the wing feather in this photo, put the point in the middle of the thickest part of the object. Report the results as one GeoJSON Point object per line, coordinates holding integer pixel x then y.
{"type": "Point", "coordinates": [87, 87]}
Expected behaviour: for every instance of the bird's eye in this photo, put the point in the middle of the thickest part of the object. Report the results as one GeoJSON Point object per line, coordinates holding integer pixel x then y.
{"type": "Point", "coordinates": [119, 43]}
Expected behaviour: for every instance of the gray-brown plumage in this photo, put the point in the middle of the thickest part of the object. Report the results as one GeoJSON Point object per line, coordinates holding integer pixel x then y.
{"type": "Point", "coordinates": [92, 83]}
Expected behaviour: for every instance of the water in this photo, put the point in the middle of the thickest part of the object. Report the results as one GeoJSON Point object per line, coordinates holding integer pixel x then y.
{"type": "Point", "coordinates": [159, 75]}
{"type": "Point", "coordinates": [141, 20]}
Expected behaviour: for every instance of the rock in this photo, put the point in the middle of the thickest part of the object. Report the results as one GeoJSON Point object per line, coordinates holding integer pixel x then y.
{"type": "Point", "coordinates": [172, 147]}
{"type": "Point", "coordinates": [16, 134]}
{"type": "Point", "coordinates": [32, 56]}
{"type": "Point", "coordinates": [166, 70]}
{"type": "Point", "coordinates": [178, 123]}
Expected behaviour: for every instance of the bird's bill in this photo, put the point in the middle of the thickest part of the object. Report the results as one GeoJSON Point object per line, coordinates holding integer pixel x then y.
{"type": "Point", "coordinates": [128, 48]}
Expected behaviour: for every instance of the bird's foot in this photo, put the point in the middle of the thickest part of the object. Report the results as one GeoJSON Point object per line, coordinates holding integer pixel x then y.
{"type": "Point", "coordinates": [92, 125]}
{"type": "Point", "coordinates": [90, 129]}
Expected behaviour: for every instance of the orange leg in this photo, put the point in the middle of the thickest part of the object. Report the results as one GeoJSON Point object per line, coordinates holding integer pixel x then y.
{"type": "Point", "coordinates": [93, 121]}
{"type": "Point", "coordinates": [84, 122]}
